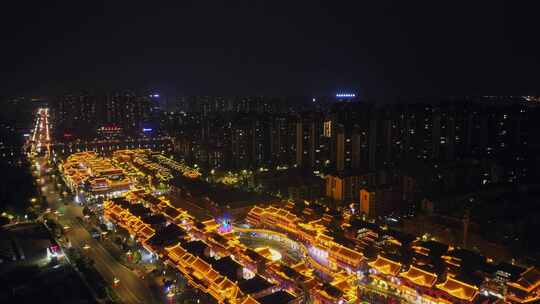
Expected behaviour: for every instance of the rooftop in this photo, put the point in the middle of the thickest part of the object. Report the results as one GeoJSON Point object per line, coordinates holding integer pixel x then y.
{"type": "Point", "coordinates": [386, 266]}
{"type": "Point", "coordinates": [528, 280]}
{"type": "Point", "coordinates": [332, 290]}
{"type": "Point", "coordinates": [219, 194]}
{"type": "Point", "coordinates": [513, 270]}
{"type": "Point", "coordinates": [431, 248]}
{"type": "Point", "coordinates": [155, 220]}
{"type": "Point", "coordinates": [168, 236]}
{"type": "Point", "coordinates": [228, 267]}
{"type": "Point", "coordinates": [25, 243]}
{"type": "Point", "coordinates": [254, 285]}
{"type": "Point", "coordinates": [458, 289]}
{"type": "Point", "coordinates": [196, 248]}
{"type": "Point", "coordinates": [357, 223]}
{"type": "Point", "coordinates": [420, 277]}
{"type": "Point", "coordinates": [280, 297]}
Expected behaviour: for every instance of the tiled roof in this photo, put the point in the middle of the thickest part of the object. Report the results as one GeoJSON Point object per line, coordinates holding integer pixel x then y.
{"type": "Point", "coordinates": [458, 289]}
{"type": "Point", "coordinates": [200, 265]}
{"type": "Point", "coordinates": [420, 277]}
{"type": "Point", "coordinates": [176, 252]}
{"type": "Point", "coordinates": [249, 300]}
{"type": "Point", "coordinates": [280, 297]}
{"type": "Point", "coordinates": [146, 232]}
{"type": "Point", "coordinates": [347, 252]}
{"type": "Point", "coordinates": [386, 266]}
{"type": "Point", "coordinates": [254, 285]}
{"type": "Point", "coordinates": [528, 280]}
{"type": "Point", "coordinates": [227, 267]}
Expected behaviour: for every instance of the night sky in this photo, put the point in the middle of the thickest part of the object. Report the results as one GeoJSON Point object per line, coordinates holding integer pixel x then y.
{"type": "Point", "coordinates": [380, 49]}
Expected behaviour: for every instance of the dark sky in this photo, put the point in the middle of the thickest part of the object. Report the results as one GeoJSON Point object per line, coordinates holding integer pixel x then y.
{"type": "Point", "coordinates": [379, 49]}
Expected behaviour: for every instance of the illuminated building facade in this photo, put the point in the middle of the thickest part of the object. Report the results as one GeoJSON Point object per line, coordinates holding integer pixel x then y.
{"type": "Point", "coordinates": [341, 290]}
{"type": "Point", "coordinates": [216, 263]}
{"type": "Point", "coordinates": [331, 254]}
{"type": "Point", "coordinates": [430, 273]}
{"type": "Point", "coordinates": [86, 171]}
{"type": "Point", "coordinates": [345, 186]}
{"type": "Point", "coordinates": [82, 115]}
{"type": "Point", "coordinates": [213, 259]}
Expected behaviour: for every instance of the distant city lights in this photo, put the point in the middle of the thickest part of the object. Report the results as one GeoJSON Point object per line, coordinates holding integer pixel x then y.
{"type": "Point", "coordinates": [345, 95]}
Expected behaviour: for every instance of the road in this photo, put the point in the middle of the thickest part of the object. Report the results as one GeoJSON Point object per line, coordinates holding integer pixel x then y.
{"type": "Point", "coordinates": [40, 135]}
{"type": "Point", "coordinates": [131, 288]}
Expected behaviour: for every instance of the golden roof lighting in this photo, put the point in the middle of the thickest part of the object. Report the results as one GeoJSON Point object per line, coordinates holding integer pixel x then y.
{"type": "Point", "coordinates": [458, 289]}
{"type": "Point", "coordinates": [386, 266]}
{"type": "Point", "coordinates": [419, 276]}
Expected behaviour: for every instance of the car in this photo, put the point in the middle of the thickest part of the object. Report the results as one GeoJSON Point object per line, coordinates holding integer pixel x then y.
{"type": "Point", "coordinates": [86, 247]}
{"type": "Point", "coordinates": [96, 234]}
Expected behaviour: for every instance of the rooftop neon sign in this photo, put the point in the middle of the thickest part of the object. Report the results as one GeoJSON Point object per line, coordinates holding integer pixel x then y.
{"type": "Point", "coordinates": [345, 95]}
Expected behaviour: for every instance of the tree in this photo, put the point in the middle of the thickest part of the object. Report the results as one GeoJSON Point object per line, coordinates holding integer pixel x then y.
{"type": "Point", "coordinates": [136, 256]}
{"type": "Point", "coordinates": [334, 227]}
{"type": "Point", "coordinates": [32, 213]}
{"type": "Point", "coordinates": [86, 211]}
{"type": "Point", "coordinates": [4, 220]}
{"type": "Point", "coordinates": [52, 225]}
{"type": "Point", "coordinates": [103, 227]}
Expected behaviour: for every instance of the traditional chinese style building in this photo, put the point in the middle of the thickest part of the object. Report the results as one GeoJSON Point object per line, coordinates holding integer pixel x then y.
{"type": "Point", "coordinates": [457, 291]}
{"type": "Point", "coordinates": [97, 175]}
{"type": "Point", "coordinates": [117, 212]}
{"type": "Point", "coordinates": [342, 289]}
{"type": "Point", "coordinates": [526, 289]}
{"type": "Point", "coordinates": [313, 233]}
{"type": "Point", "coordinates": [199, 251]}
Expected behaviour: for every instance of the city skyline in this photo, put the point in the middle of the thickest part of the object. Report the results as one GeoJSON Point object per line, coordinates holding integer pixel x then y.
{"type": "Point", "coordinates": [228, 198]}
{"type": "Point", "coordinates": [363, 230]}
{"type": "Point", "coordinates": [218, 152]}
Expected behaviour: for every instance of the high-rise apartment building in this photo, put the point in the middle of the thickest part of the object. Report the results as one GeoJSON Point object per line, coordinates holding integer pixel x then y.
{"type": "Point", "coordinates": [281, 139]}
{"type": "Point", "coordinates": [82, 115]}
{"type": "Point", "coordinates": [310, 142]}
{"type": "Point", "coordinates": [127, 110]}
